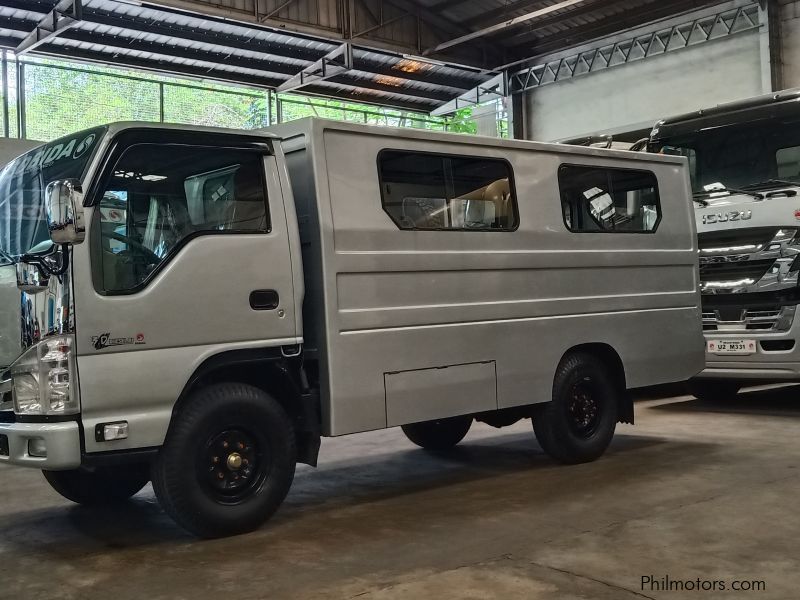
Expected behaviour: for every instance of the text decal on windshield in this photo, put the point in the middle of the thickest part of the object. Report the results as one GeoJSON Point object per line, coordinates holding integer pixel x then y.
{"type": "Point", "coordinates": [71, 149]}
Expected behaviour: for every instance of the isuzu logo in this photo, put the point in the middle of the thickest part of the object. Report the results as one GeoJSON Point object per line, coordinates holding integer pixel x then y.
{"type": "Point", "coordinates": [734, 215]}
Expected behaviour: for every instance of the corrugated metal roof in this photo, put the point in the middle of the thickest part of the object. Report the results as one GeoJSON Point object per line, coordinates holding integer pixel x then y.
{"type": "Point", "coordinates": [152, 37]}
{"type": "Point", "coordinates": [146, 35]}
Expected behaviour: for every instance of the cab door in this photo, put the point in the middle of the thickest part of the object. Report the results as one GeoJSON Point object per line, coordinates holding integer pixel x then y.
{"type": "Point", "coordinates": [188, 258]}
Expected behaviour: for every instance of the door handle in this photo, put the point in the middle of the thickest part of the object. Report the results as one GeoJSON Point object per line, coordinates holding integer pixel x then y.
{"type": "Point", "coordinates": [264, 299]}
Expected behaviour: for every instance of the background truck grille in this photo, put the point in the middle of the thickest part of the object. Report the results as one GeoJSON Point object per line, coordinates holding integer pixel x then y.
{"type": "Point", "coordinates": [743, 269]}
{"type": "Point", "coordinates": [731, 318]}
{"type": "Point", "coordinates": [756, 236]}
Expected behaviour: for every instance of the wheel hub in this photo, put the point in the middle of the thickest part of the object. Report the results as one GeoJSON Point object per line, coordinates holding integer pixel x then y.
{"type": "Point", "coordinates": [584, 409]}
{"type": "Point", "coordinates": [232, 465]}
{"type": "Point", "coordinates": [234, 461]}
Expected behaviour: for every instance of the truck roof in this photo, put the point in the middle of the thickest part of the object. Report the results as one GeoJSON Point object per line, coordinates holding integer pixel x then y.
{"type": "Point", "coordinates": [751, 109]}
{"type": "Point", "coordinates": [307, 125]}
{"type": "Point", "coordinates": [119, 126]}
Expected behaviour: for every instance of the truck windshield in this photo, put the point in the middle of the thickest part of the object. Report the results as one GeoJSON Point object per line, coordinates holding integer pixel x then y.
{"type": "Point", "coordinates": [22, 185]}
{"type": "Point", "coordinates": [739, 156]}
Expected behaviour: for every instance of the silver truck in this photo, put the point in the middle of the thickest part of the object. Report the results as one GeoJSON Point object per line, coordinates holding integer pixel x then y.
{"type": "Point", "coordinates": [744, 162]}
{"type": "Point", "coordinates": [198, 307]}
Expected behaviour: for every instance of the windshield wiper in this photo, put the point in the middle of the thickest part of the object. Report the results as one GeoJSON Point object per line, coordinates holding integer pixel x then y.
{"type": "Point", "coordinates": [771, 183]}
{"type": "Point", "coordinates": [723, 189]}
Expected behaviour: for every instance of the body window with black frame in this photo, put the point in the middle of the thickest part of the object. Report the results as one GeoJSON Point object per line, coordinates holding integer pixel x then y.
{"type": "Point", "coordinates": [159, 196]}
{"type": "Point", "coordinates": [609, 200]}
{"type": "Point", "coordinates": [422, 191]}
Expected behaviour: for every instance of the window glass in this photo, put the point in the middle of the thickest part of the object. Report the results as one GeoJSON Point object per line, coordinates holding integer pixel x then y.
{"type": "Point", "coordinates": [432, 191]}
{"type": "Point", "coordinates": [788, 160]}
{"type": "Point", "coordinates": [609, 200]}
{"type": "Point", "coordinates": [159, 196]}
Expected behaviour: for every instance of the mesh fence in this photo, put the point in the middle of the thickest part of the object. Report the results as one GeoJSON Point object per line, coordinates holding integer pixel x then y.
{"type": "Point", "coordinates": [60, 99]}
{"type": "Point", "coordinates": [216, 108]}
{"type": "Point", "coordinates": [296, 107]}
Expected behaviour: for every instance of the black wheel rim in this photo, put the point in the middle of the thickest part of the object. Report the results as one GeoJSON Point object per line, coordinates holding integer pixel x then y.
{"type": "Point", "coordinates": [584, 408]}
{"type": "Point", "coordinates": [233, 464]}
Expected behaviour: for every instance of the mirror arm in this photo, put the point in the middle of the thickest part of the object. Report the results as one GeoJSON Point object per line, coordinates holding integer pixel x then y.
{"type": "Point", "coordinates": [45, 267]}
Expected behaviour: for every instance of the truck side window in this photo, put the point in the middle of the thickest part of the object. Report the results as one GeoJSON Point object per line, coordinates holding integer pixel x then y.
{"type": "Point", "coordinates": [423, 191]}
{"type": "Point", "coordinates": [609, 200]}
{"type": "Point", "coordinates": [159, 196]}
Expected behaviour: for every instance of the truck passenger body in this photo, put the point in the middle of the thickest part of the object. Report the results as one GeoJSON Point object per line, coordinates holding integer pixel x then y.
{"type": "Point", "coordinates": [221, 299]}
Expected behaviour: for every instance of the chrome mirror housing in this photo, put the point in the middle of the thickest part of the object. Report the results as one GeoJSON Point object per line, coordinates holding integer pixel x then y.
{"type": "Point", "coordinates": [30, 278]}
{"type": "Point", "coordinates": [64, 206]}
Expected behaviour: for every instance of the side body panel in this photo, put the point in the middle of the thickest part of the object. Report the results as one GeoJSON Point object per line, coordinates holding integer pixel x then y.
{"type": "Point", "coordinates": [403, 301]}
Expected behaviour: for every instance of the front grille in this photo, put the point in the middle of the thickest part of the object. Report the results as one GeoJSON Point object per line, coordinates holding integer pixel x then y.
{"type": "Point", "coordinates": [732, 318]}
{"type": "Point", "coordinates": [745, 269]}
{"type": "Point", "coordinates": [726, 238]}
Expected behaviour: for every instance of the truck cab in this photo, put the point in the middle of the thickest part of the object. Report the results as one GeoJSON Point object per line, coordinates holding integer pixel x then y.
{"type": "Point", "coordinates": [744, 163]}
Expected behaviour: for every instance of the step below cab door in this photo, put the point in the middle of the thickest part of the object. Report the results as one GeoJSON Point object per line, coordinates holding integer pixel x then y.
{"type": "Point", "coordinates": [187, 258]}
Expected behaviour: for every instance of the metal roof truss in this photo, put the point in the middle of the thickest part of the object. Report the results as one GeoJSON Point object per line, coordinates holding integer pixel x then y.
{"type": "Point", "coordinates": [699, 30]}
{"type": "Point", "coordinates": [65, 14]}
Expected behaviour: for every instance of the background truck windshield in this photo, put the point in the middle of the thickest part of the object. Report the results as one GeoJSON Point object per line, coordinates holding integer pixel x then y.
{"type": "Point", "coordinates": [22, 185]}
{"type": "Point", "coordinates": [739, 155]}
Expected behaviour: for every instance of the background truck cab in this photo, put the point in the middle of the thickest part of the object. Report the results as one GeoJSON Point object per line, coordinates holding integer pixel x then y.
{"type": "Point", "coordinates": [744, 162]}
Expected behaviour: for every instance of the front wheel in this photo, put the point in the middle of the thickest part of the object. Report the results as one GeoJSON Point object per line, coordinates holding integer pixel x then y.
{"type": "Point", "coordinates": [578, 424]}
{"type": "Point", "coordinates": [99, 486]}
{"type": "Point", "coordinates": [438, 435]}
{"type": "Point", "coordinates": [714, 390]}
{"type": "Point", "coordinates": [228, 462]}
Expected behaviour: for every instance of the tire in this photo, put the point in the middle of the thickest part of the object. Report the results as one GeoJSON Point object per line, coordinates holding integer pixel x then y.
{"type": "Point", "coordinates": [438, 435]}
{"type": "Point", "coordinates": [228, 461]}
{"type": "Point", "coordinates": [579, 423]}
{"type": "Point", "coordinates": [101, 486]}
{"type": "Point", "coordinates": [713, 390]}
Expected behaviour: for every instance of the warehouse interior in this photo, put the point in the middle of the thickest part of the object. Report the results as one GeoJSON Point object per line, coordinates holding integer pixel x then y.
{"type": "Point", "coordinates": [695, 499]}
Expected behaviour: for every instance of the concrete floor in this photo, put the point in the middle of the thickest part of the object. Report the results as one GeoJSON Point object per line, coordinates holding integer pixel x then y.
{"type": "Point", "coordinates": [693, 490]}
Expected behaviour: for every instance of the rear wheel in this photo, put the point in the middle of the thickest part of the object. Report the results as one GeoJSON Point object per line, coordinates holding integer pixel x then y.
{"type": "Point", "coordinates": [228, 463]}
{"type": "Point", "coordinates": [714, 390]}
{"type": "Point", "coordinates": [578, 424]}
{"type": "Point", "coordinates": [99, 486]}
{"type": "Point", "coordinates": [438, 435]}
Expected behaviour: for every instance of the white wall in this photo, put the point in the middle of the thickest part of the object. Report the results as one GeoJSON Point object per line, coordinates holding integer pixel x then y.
{"type": "Point", "coordinates": [790, 43]}
{"type": "Point", "coordinates": [10, 148]}
{"type": "Point", "coordinates": [637, 94]}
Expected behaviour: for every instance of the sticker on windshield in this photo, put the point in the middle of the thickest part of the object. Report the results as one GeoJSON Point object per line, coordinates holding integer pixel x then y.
{"type": "Point", "coordinates": [53, 153]}
{"type": "Point", "coordinates": [85, 144]}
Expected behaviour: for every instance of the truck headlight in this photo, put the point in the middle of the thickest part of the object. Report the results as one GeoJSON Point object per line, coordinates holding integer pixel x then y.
{"type": "Point", "coordinates": [43, 379]}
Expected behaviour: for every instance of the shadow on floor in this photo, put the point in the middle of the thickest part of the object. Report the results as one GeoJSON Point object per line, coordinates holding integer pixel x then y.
{"type": "Point", "coordinates": [774, 401]}
{"type": "Point", "coordinates": [657, 392]}
{"type": "Point", "coordinates": [509, 466]}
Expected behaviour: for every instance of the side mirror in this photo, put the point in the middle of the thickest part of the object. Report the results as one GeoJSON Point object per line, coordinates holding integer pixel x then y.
{"type": "Point", "coordinates": [30, 278]}
{"type": "Point", "coordinates": [64, 201]}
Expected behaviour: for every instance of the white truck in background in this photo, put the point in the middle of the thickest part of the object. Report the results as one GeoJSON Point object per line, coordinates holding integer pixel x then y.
{"type": "Point", "coordinates": [744, 163]}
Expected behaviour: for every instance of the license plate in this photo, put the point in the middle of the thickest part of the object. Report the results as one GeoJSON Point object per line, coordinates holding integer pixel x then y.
{"type": "Point", "coordinates": [741, 347]}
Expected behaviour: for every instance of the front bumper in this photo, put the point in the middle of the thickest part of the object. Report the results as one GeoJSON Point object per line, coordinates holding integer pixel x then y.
{"type": "Point", "coordinates": [764, 364]}
{"type": "Point", "coordinates": [62, 441]}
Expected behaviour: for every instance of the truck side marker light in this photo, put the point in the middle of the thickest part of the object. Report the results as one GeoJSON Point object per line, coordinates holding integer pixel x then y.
{"type": "Point", "coordinates": [108, 432]}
